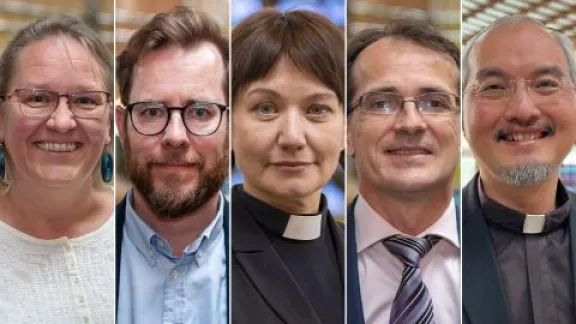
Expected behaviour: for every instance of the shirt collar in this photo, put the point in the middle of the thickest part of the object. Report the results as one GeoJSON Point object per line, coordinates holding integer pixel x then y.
{"type": "Point", "coordinates": [371, 228]}
{"type": "Point", "coordinates": [281, 223]}
{"type": "Point", "coordinates": [149, 243]}
{"type": "Point", "coordinates": [514, 221]}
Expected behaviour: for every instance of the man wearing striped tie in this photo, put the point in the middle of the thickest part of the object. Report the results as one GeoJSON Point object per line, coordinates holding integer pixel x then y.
{"type": "Point", "coordinates": [404, 137]}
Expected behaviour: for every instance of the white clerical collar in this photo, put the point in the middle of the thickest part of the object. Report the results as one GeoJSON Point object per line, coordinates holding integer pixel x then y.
{"type": "Point", "coordinates": [534, 224]}
{"type": "Point", "coordinates": [303, 228]}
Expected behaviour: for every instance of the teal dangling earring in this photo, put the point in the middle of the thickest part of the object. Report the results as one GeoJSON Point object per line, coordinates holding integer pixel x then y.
{"type": "Point", "coordinates": [2, 161]}
{"type": "Point", "coordinates": [106, 166]}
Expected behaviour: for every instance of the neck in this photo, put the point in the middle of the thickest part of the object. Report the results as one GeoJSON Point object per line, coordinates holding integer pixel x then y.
{"type": "Point", "coordinates": [295, 205]}
{"type": "Point", "coordinates": [521, 198]}
{"type": "Point", "coordinates": [178, 232]}
{"type": "Point", "coordinates": [410, 212]}
{"type": "Point", "coordinates": [52, 212]}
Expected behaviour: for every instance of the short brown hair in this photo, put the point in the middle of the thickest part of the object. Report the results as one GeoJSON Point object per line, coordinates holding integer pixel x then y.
{"type": "Point", "coordinates": [309, 40]}
{"type": "Point", "coordinates": [181, 26]}
{"type": "Point", "coordinates": [423, 34]}
{"type": "Point", "coordinates": [53, 26]}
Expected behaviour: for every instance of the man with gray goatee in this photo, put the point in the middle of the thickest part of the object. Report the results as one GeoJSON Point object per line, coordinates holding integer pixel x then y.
{"type": "Point", "coordinates": [519, 221]}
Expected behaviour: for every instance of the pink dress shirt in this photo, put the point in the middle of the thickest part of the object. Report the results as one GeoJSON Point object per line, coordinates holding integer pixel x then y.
{"type": "Point", "coordinates": [380, 272]}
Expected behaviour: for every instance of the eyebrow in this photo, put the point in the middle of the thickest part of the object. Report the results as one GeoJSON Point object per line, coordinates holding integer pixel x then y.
{"type": "Point", "coordinates": [499, 73]}
{"type": "Point", "coordinates": [269, 92]}
{"type": "Point", "coordinates": [423, 90]}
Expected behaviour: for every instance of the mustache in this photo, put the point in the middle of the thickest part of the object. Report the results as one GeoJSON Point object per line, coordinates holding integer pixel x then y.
{"type": "Point", "coordinates": [176, 159]}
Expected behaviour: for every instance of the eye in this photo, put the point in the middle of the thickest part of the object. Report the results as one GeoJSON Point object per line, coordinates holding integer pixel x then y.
{"type": "Point", "coordinates": [265, 108]}
{"type": "Point", "coordinates": [435, 103]}
{"type": "Point", "coordinates": [546, 85]}
{"type": "Point", "coordinates": [200, 112]}
{"type": "Point", "coordinates": [152, 112]}
{"type": "Point", "coordinates": [319, 110]}
{"type": "Point", "coordinates": [492, 87]}
{"type": "Point", "coordinates": [37, 99]}
{"type": "Point", "coordinates": [86, 101]}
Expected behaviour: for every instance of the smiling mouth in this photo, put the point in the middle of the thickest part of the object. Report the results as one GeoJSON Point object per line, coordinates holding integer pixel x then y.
{"type": "Point", "coordinates": [409, 151]}
{"type": "Point", "coordinates": [522, 136]}
{"type": "Point", "coordinates": [58, 147]}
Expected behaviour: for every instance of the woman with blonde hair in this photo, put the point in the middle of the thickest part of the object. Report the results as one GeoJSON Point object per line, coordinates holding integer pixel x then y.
{"type": "Point", "coordinates": [56, 224]}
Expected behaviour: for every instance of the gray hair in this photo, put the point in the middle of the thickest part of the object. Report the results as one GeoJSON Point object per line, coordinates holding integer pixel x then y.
{"type": "Point", "coordinates": [563, 40]}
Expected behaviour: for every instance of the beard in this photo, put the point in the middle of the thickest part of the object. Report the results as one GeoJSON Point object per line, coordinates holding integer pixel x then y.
{"type": "Point", "coordinates": [526, 173]}
{"type": "Point", "coordinates": [176, 198]}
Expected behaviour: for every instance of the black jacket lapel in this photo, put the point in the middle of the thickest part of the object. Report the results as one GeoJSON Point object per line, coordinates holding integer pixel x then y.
{"type": "Point", "coordinates": [482, 296]}
{"type": "Point", "coordinates": [263, 266]}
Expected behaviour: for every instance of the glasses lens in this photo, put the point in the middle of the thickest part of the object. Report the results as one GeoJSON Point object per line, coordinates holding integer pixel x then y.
{"type": "Point", "coordinates": [202, 118]}
{"type": "Point", "coordinates": [381, 103]}
{"type": "Point", "coordinates": [36, 102]}
{"type": "Point", "coordinates": [436, 103]}
{"type": "Point", "coordinates": [149, 117]}
{"type": "Point", "coordinates": [88, 104]}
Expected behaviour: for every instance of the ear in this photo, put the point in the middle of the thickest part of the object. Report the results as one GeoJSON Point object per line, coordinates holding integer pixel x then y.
{"type": "Point", "coordinates": [121, 118]}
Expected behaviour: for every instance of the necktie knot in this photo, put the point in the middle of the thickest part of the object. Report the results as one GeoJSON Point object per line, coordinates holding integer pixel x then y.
{"type": "Point", "coordinates": [410, 249]}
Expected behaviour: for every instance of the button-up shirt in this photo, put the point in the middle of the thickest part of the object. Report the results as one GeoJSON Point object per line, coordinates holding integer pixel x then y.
{"type": "Point", "coordinates": [158, 287]}
{"type": "Point", "coordinates": [380, 272]}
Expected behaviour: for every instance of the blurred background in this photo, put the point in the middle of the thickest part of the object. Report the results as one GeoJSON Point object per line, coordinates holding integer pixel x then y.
{"type": "Point", "coordinates": [333, 10]}
{"type": "Point", "coordinates": [559, 15]}
{"type": "Point", "coordinates": [363, 14]}
{"type": "Point", "coordinates": [130, 15]}
{"type": "Point", "coordinates": [98, 14]}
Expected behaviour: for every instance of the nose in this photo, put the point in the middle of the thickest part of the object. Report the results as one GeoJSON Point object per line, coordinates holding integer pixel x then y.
{"type": "Point", "coordinates": [175, 135]}
{"type": "Point", "coordinates": [62, 120]}
{"type": "Point", "coordinates": [409, 120]}
{"type": "Point", "coordinates": [292, 135]}
{"type": "Point", "coordinates": [521, 107]}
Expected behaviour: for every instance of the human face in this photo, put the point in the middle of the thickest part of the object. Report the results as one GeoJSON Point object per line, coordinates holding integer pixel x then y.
{"type": "Point", "coordinates": [175, 171]}
{"type": "Point", "coordinates": [59, 149]}
{"type": "Point", "coordinates": [521, 140]}
{"type": "Point", "coordinates": [288, 133]}
{"type": "Point", "coordinates": [407, 152]}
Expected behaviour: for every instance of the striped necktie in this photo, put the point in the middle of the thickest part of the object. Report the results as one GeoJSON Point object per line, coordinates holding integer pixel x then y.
{"type": "Point", "coordinates": [412, 304]}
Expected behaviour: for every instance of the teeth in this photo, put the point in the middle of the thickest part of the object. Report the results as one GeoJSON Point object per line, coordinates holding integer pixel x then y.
{"type": "Point", "coordinates": [408, 151]}
{"type": "Point", "coordinates": [523, 137]}
{"type": "Point", "coordinates": [58, 147]}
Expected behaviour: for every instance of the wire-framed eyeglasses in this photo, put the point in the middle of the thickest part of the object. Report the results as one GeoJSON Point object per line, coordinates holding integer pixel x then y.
{"type": "Point", "coordinates": [42, 103]}
{"type": "Point", "coordinates": [540, 89]}
{"type": "Point", "coordinates": [390, 103]}
{"type": "Point", "coordinates": [152, 117]}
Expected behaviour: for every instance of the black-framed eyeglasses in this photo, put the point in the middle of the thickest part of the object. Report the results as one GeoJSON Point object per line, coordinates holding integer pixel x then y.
{"type": "Point", "coordinates": [42, 103]}
{"type": "Point", "coordinates": [152, 117]}
{"type": "Point", "coordinates": [390, 103]}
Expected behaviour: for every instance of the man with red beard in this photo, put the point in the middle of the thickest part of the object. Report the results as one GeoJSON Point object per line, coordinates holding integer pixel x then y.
{"type": "Point", "coordinates": [171, 238]}
{"type": "Point", "coordinates": [519, 221]}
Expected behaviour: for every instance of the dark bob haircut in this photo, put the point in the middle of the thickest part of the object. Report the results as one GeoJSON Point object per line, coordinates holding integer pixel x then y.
{"type": "Point", "coordinates": [309, 40]}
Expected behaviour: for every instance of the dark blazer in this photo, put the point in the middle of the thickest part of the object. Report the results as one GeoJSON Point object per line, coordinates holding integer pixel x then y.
{"type": "Point", "coordinates": [355, 310]}
{"type": "Point", "coordinates": [121, 219]}
{"type": "Point", "coordinates": [263, 289]}
{"type": "Point", "coordinates": [483, 297]}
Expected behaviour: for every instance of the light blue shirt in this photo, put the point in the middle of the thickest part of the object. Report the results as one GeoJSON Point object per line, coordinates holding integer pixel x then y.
{"type": "Point", "coordinates": [156, 287]}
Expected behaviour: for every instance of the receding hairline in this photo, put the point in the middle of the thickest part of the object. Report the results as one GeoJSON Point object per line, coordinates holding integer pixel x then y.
{"type": "Point", "coordinates": [508, 22]}
{"type": "Point", "coordinates": [400, 38]}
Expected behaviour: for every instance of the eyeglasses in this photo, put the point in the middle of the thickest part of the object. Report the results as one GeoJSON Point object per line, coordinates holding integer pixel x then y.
{"type": "Point", "coordinates": [542, 89]}
{"type": "Point", "coordinates": [152, 117]}
{"type": "Point", "coordinates": [390, 103]}
{"type": "Point", "coordinates": [42, 103]}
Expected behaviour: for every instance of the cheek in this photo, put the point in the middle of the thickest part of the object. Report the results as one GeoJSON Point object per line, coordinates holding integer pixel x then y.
{"type": "Point", "coordinates": [367, 135]}
{"type": "Point", "coordinates": [252, 141]}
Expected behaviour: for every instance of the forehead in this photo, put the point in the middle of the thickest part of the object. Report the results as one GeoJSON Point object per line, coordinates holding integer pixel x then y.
{"type": "Point", "coordinates": [518, 50]}
{"type": "Point", "coordinates": [286, 80]}
{"type": "Point", "coordinates": [57, 62]}
{"type": "Point", "coordinates": [402, 64]}
{"type": "Point", "coordinates": [174, 71]}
